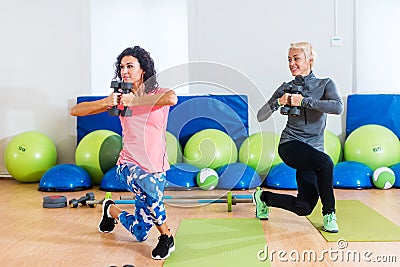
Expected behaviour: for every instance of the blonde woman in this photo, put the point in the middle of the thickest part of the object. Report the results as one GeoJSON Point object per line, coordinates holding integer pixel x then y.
{"type": "Point", "coordinates": [301, 144]}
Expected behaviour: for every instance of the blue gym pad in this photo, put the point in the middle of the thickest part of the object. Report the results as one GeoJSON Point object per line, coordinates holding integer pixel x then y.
{"type": "Point", "coordinates": [381, 109]}
{"type": "Point", "coordinates": [228, 113]}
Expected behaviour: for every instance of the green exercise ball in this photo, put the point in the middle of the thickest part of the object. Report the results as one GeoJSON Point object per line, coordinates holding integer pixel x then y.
{"type": "Point", "coordinates": [333, 146]}
{"type": "Point", "coordinates": [29, 155]}
{"type": "Point", "coordinates": [260, 151]}
{"type": "Point", "coordinates": [98, 152]}
{"type": "Point", "coordinates": [210, 148]}
{"type": "Point", "coordinates": [207, 179]}
{"type": "Point", "coordinates": [174, 149]}
{"type": "Point", "coordinates": [373, 145]}
{"type": "Point", "coordinates": [383, 178]}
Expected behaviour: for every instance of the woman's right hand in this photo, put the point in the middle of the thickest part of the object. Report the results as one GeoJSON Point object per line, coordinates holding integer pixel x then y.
{"type": "Point", "coordinates": [285, 99]}
{"type": "Point", "coordinates": [113, 99]}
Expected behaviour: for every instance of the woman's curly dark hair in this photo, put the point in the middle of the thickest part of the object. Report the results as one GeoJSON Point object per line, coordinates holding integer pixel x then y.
{"type": "Point", "coordinates": [146, 64]}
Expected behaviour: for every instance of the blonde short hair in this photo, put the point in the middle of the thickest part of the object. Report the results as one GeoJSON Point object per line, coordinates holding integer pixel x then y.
{"type": "Point", "coordinates": [307, 48]}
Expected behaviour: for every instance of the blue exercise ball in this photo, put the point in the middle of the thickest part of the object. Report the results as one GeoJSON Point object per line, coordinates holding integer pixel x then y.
{"type": "Point", "coordinates": [65, 177]}
{"type": "Point", "coordinates": [237, 176]}
{"type": "Point", "coordinates": [352, 174]}
{"type": "Point", "coordinates": [396, 169]}
{"type": "Point", "coordinates": [182, 175]}
{"type": "Point", "coordinates": [281, 176]}
{"type": "Point", "coordinates": [109, 182]}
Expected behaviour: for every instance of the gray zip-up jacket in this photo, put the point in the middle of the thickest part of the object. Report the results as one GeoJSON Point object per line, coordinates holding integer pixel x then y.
{"type": "Point", "coordinates": [320, 98]}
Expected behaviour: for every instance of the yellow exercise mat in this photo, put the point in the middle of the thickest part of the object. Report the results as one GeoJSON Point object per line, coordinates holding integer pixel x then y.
{"type": "Point", "coordinates": [219, 242]}
{"type": "Point", "coordinates": [357, 223]}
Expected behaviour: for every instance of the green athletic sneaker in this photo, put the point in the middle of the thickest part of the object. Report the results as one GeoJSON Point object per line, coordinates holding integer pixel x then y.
{"type": "Point", "coordinates": [330, 224]}
{"type": "Point", "coordinates": [262, 210]}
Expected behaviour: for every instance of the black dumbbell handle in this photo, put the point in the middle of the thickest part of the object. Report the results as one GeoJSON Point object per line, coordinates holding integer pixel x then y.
{"type": "Point", "coordinates": [114, 111]}
{"type": "Point", "coordinates": [126, 89]}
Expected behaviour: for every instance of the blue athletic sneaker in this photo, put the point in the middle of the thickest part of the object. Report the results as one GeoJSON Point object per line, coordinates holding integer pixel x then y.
{"type": "Point", "coordinates": [262, 210]}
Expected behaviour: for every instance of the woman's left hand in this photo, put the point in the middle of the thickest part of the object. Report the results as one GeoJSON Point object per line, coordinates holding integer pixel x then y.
{"type": "Point", "coordinates": [128, 100]}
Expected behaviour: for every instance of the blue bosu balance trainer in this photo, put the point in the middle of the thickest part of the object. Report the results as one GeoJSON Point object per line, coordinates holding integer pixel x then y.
{"type": "Point", "coordinates": [352, 175]}
{"type": "Point", "coordinates": [110, 183]}
{"type": "Point", "coordinates": [65, 177]}
{"type": "Point", "coordinates": [396, 169]}
{"type": "Point", "coordinates": [281, 176]}
{"type": "Point", "coordinates": [237, 176]}
{"type": "Point", "coordinates": [182, 176]}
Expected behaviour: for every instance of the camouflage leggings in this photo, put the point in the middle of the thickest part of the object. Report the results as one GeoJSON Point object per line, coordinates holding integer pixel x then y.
{"type": "Point", "coordinates": [149, 207]}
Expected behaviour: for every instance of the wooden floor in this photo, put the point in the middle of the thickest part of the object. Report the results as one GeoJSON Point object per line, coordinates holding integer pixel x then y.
{"type": "Point", "coordinates": [35, 236]}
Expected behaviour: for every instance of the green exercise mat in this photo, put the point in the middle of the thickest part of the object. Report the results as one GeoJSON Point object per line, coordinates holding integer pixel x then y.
{"type": "Point", "coordinates": [357, 223]}
{"type": "Point", "coordinates": [219, 242]}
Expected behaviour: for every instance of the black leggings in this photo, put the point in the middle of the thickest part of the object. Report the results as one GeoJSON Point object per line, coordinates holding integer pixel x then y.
{"type": "Point", "coordinates": [314, 176]}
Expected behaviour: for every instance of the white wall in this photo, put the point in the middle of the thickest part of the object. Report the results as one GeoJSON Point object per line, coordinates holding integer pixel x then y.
{"type": "Point", "coordinates": [160, 27]}
{"type": "Point", "coordinates": [378, 39]}
{"type": "Point", "coordinates": [43, 65]}
{"type": "Point", "coordinates": [52, 51]}
{"type": "Point", "coordinates": [254, 39]}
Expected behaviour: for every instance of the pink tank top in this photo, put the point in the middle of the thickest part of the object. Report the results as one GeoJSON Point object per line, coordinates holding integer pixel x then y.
{"type": "Point", "coordinates": [144, 141]}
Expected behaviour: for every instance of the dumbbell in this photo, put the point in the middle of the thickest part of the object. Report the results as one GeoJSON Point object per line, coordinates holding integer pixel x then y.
{"type": "Point", "coordinates": [73, 203]}
{"type": "Point", "coordinates": [124, 88]}
{"type": "Point", "coordinates": [114, 111]}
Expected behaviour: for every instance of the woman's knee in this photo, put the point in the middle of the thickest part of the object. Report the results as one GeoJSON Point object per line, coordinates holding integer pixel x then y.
{"type": "Point", "coordinates": [303, 208]}
{"type": "Point", "coordinates": [328, 164]}
{"type": "Point", "coordinates": [140, 232]}
{"type": "Point", "coordinates": [140, 237]}
{"type": "Point", "coordinates": [304, 211]}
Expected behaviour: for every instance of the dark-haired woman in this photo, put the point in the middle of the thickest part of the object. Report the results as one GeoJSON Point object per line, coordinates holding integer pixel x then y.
{"type": "Point", "coordinates": [142, 162]}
